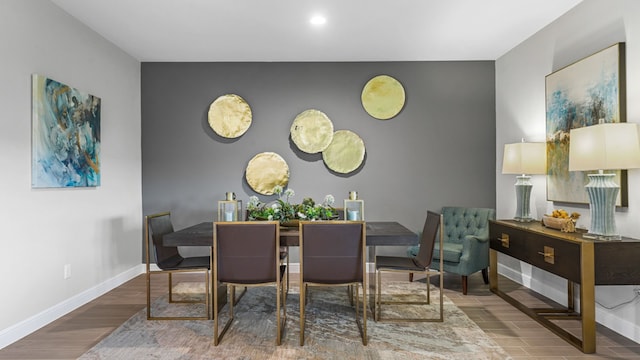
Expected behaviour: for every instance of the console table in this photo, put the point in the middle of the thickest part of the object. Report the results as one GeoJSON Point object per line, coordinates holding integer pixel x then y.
{"type": "Point", "coordinates": [581, 261]}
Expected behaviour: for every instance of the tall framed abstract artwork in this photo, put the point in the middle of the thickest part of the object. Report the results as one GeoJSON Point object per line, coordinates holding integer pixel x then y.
{"type": "Point", "coordinates": [587, 92]}
{"type": "Point", "coordinates": [65, 145]}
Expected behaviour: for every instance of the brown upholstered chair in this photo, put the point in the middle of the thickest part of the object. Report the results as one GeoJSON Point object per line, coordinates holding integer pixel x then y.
{"type": "Point", "coordinates": [169, 261]}
{"type": "Point", "coordinates": [333, 253]}
{"type": "Point", "coordinates": [419, 264]}
{"type": "Point", "coordinates": [248, 254]}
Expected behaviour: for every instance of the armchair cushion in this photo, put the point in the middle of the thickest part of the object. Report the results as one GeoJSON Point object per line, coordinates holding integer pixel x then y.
{"type": "Point", "coordinates": [451, 252]}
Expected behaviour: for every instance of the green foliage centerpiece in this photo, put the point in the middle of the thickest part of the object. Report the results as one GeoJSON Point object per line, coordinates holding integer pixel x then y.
{"type": "Point", "coordinates": [284, 211]}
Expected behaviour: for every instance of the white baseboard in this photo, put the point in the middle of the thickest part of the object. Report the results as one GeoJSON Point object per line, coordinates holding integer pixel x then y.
{"type": "Point", "coordinates": [604, 317]}
{"type": "Point", "coordinates": [26, 327]}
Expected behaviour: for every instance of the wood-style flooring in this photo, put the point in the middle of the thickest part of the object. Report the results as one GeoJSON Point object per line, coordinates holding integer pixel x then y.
{"type": "Point", "coordinates": [520, 336]}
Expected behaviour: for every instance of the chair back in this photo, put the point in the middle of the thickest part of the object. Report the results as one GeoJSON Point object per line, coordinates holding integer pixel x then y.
{"type": "Point", "coordinates": [460, 222]}
{"type": "Point", "coordinates": [332, 252]}
{"type": "Point", "coordinates": [246, 252]}
{"type": "Point", "coordinates": [159, 225]}
{"type": "Point", "coordinates": [428, 239]}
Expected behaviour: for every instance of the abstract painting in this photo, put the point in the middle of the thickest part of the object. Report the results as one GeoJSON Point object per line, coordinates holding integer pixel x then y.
{"type": "Point", "coordinates": [65, 136]}
{"type": "Point", "coordinates": [587, 92]}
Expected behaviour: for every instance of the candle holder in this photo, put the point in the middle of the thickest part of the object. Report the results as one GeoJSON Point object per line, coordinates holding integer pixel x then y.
{"type": "Point", "coordinates": [353, 207]}
{"type": "Point", "coordinates": [230, 209]}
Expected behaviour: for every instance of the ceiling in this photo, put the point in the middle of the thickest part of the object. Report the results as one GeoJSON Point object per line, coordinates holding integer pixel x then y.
{"type": "Point", "coordinates": [279, 30]}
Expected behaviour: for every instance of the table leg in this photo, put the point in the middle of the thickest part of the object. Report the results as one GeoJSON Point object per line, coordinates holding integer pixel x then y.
{"type": "Point", "coordinates": [587, 298]}
{"type": "Point", "coordinates": [493, 270]}
{"type": "Point", "coordinates": [371, 278]}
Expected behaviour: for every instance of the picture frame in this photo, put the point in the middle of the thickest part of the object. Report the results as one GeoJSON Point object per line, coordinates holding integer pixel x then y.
{"type": "Point", "coordinates": [65, 144]}
{"type": "Point", "coordinates": [589, 91]}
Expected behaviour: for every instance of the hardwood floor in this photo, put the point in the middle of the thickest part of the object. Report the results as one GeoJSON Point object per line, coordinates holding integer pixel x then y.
{"type": "Point", "coordinates": [523, 338]}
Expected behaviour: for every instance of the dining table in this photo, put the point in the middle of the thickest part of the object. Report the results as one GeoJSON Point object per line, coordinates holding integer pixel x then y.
{"type": "Point", "coordinates": [378, 233]}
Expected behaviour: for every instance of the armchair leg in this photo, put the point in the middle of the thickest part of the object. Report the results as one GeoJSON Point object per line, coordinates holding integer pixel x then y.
{"type": "Point", "coordinates": [485, 275]}
{"type": "Point", "coordinates": [410, 277]}
{"type": "Point", "coordinates": [464, 285]}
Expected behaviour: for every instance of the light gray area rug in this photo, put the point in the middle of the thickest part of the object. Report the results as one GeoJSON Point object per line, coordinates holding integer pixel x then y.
{"type": "Point", "coordinates": [331, 331]}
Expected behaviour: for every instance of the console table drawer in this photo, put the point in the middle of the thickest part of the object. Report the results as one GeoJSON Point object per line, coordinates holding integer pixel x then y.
{"type": "Point", "coordinates": [509, 242]}
{"type": "Point", "coordinates": [556, 256]}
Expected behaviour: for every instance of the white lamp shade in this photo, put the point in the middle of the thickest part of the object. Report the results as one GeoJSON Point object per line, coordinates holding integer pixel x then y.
{"type": "Point", "coordinates": [611, 146]}
{"type": "Point", "coordinates": [524, 158]}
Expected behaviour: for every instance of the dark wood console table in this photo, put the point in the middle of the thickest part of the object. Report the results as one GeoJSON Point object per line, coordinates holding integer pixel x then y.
{"type": "Point", "coordinates": [581, 261]}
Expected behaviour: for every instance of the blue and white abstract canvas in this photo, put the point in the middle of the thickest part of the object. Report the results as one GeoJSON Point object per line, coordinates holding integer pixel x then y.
{"type": "Point", "coordinates": [65, 136]}
{"type": "Point", "coordinates": [584, 93]}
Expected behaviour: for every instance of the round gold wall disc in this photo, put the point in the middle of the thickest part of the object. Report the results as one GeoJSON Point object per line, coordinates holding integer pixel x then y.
{"type": "Point", "coordinates": [229, 116]}
{"type": "Point", "coordinates": [383, 97]}
{"type": "Point", "coordinates": [265, 171]}
{"type": "Point", "coordinates": [345, 153]}
{"type": "Point", "coordinates": [312, 131]}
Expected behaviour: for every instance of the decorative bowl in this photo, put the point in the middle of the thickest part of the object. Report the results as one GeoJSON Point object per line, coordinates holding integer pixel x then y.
{"type": "Point", "coordinates": [562, 224]}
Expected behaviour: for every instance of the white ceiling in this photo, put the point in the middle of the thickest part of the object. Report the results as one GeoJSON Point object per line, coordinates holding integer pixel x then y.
{"type": "Point", "coordinates": [279, 30]}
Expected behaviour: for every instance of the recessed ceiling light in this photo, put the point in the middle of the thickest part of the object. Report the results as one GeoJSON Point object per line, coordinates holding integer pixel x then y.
{"type": "Point", "coordinates": [318, 20]}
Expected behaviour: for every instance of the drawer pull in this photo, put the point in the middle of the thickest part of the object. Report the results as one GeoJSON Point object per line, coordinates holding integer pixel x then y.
{"type": "Point", "coordinates": [504, 239]}
{"type": "Point", "coordinates": [549, 254]}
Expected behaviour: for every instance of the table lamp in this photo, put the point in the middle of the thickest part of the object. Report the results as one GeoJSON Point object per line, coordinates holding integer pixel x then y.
{"type": "Point", "coordinates": [612, 146]}
{"type": "Point", "coordinates": [524, 158]}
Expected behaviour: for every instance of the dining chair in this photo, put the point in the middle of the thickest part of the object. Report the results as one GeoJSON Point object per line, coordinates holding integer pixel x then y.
{"type": "Point", "coordinates": [247, 254]}
{"type": "Point", "coordinates": [419, 264]}
{"type": "Point", "coordinates": [169, 261]}
{"type": "Point", "coordinates": [333, 253]}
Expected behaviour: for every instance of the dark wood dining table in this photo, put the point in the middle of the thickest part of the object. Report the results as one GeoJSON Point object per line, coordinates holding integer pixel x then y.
{"type": "Point", "coordinates": [379, 233]}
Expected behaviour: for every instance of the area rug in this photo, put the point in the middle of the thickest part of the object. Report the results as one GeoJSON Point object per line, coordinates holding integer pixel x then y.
{"type": "Point", "coordinates": [331, 330]}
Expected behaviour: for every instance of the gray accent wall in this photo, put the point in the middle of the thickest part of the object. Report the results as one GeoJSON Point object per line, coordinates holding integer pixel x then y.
{"type": "Point", "coordinates": [440, 149]}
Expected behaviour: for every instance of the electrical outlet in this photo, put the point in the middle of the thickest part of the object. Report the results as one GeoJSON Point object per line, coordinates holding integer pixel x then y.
{"type": "Point", "coordinates": [67, 271]}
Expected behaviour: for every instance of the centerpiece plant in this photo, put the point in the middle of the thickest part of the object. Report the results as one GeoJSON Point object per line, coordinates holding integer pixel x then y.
{"type": "Point", "coordinates": [284, 211]}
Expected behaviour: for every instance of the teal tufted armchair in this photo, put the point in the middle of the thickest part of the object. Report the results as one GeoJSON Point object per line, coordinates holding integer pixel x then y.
{"type": "Point", "coordinates": [466, 242]}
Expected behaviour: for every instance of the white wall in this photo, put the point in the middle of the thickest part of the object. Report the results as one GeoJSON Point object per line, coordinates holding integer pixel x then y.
{"type": "Point", "coordinates": [520, 113]}
{"type": "Point", "coordinates": [96, 230]}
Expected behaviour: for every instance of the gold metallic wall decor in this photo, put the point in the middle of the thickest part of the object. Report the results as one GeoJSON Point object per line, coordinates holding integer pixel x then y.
{"type": "Point", "coordinates": [265, 171]}
{"type": "Point", "coordinates": [345, 153]}
{"type": "Point", "coordinates": [229, 116]}
{"type": "Point", "coordinates": [312, 131]}
{"type": "Point", "coordinates": [383, 97]}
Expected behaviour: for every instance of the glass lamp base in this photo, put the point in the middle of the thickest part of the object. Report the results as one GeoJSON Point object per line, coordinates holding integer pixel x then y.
{"type": "Point", "coordinates": [602, 191]}
{"type": "Point", "coordinates": [601, 237]}
{"type": "Point", "coordinates": [523, 195]}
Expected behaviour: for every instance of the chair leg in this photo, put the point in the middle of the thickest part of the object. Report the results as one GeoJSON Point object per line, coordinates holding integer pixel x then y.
{"type": "Point", "coordinates": [217, 335]}
{"type": "Point", "coordinates": [377, 296]}
{"type": "Point", "coordinates": [363, 328]}
{"type": "Point", "coordinates": [464, 285]}
{"type": "Point", "coordinates": [389, 299]}
{"type": "Point", "coordinates": [282, 308]}
{"type": "Point", "coordinates": [170, 288]}
{"type": "Point", "coordinates": [485, 275]}
{"type": "Point", "coordinates": [428, 290]}
{"type": "Point", "coordinates": [302, 304]}
{"type": "Point", "coordinates": [148, 296]}
{"type": "Point", "coordinates": [410, 277]}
